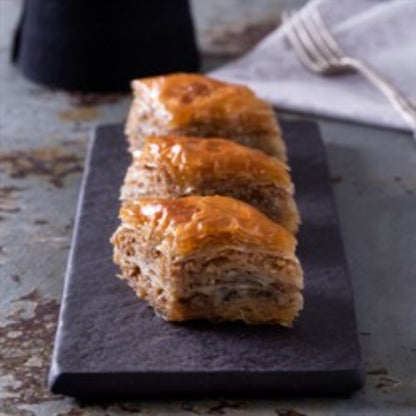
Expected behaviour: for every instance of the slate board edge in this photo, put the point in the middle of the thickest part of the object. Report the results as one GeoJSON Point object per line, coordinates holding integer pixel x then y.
{"type": "Point", "coordinates": [55, 371]}
{"type": "Point", "coordinates": [165, 385]}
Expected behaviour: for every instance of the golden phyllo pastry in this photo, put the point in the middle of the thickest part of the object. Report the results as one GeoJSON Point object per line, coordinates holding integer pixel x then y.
{"type": "Point", "coordinates": [195, 105]}
{"type": "Point", "coordinates": [211, 257]}
{"type": "Point", "coordinates": [170, 167]}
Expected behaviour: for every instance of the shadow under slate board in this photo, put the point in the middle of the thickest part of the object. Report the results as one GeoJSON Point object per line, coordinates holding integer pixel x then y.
{"type": "Point", "coordinates": [110, 343]}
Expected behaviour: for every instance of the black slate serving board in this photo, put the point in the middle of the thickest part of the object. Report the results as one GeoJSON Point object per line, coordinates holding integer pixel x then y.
{"type": "Point", "coordinates": [109, 343]}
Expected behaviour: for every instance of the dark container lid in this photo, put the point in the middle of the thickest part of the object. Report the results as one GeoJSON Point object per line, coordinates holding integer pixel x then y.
{"type": "Point", "coordinates": [101, 45]}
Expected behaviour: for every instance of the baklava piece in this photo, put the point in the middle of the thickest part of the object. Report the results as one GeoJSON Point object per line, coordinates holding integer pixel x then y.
{"type": "Point", "coordinates": [171, 167]}
{"type": "Point", "coordinates": [210, 257]}
{"type": "Point", "coordinates": [195, 105]}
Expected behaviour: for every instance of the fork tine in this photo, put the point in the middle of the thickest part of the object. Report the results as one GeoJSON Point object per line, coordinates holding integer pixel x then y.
{"type": "Point", "coordinates": [325, 34]}
{"type": "Point", "coordinates": [314, 30]}
{"type": "Point", "coordinates": [298, 44]}
{"type": "Point", "coordinates": [310, 44]}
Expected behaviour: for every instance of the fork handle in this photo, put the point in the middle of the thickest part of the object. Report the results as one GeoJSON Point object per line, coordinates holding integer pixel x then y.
{"type": "Point", "coordinates": [401, 104]}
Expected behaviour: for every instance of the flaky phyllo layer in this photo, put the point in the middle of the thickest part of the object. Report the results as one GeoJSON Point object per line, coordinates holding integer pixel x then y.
{"type": "Point", "coordinates": [172, 167]}
{"type": "Point", "coordinates": [209, 257]}
{"type": "Point", "coordinates": [208, 216]}
{"type": "Point", "coordinates": [195, 105]}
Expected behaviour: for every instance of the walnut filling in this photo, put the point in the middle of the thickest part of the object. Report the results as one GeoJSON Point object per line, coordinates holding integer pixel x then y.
{"type": "Point", "coordinates": [224, 285]}
{"type": "Point", "coordinates": [147, 116]}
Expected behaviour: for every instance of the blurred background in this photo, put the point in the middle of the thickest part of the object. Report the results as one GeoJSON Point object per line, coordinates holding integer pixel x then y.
{"type": "Point", "coordinates": [44, 135]}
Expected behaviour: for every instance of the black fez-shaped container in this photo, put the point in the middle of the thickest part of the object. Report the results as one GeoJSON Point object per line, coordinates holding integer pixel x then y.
{"type": "Point", "coordinates": [100, 45]}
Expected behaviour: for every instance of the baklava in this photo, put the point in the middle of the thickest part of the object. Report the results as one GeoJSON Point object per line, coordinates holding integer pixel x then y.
{"type": "Point", "coordinates": [195, 105]}
{"type": "Point", "coordinates": [210, 257]}
{"type": "Point", "coordinates": [170, 167]}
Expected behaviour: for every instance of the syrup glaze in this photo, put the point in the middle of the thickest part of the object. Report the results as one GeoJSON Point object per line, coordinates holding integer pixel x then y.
{"type": "Point", "coordinates": [192, 160]}
{"type": "Point", "coordinates": [197, 99]}
{"type": "Point", "coordinates": [203, 222]}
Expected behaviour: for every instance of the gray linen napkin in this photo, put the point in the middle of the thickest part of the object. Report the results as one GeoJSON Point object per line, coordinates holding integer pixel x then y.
{"type": "Point", "coordinates": [381, 33]}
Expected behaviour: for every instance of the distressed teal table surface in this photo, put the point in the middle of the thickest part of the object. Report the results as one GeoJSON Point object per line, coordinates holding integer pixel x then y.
{"type": "Point", "coordinates": [43, 138]}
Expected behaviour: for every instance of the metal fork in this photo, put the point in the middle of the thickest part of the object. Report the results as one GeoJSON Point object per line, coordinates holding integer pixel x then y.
{"type": "Point", "coordinates": [317, 49]}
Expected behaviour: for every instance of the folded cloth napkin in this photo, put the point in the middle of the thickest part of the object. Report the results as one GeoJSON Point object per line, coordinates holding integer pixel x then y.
{"type": "Point", "coordinates": [382, 34]}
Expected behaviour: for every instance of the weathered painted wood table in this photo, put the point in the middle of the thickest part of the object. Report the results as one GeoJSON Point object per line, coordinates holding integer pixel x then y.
{"type": "Point", "coordinates": [43, 137]}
